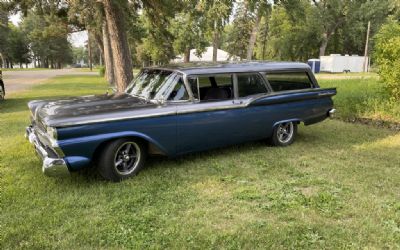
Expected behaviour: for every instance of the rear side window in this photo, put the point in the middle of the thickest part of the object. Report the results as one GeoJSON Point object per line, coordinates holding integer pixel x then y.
{"type": "Point", "coordinates": [289, 81]}
{"type": "Point", "coordinates": [250, 84]}
{"type": "Point", "coordinates": [212, 88]}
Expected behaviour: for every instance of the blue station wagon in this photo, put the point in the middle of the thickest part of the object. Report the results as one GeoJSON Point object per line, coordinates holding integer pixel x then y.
{"type": "Point", "coordinates": [175, 110]}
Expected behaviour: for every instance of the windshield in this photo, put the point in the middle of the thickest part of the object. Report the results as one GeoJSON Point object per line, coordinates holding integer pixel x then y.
{"type": "Point", "coordinates": [151, 83]}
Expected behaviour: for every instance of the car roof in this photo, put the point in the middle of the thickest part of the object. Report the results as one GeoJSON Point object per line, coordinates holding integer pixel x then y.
{"type": "Point", "coordinates": [197, 68]}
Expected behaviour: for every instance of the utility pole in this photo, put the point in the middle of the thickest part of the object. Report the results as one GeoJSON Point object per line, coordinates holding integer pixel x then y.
{"type": "Point", "coordinates": [366, 48]}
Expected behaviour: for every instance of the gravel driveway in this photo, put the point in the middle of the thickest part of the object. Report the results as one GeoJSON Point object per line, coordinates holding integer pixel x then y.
{"type": "Point", "coordinates": [16, 81]}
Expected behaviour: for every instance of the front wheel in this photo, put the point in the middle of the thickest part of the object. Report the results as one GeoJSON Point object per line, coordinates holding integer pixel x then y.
{"type": "Point", "coordinates": [121, 159]}
{"type": "Point", "coordinates": [284, 134]}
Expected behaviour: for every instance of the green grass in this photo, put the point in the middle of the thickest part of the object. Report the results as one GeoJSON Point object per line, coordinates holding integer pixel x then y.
{"type": "Point", "coordinates": [337, 186]}
{"type": "Point", "coordinates": [363, 97]}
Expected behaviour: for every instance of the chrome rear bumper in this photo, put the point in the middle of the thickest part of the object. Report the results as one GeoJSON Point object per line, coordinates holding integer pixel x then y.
{"type": "Point", "coordinates": [331, 113]}
{"type": "Point", "coordinates": [52, 166]}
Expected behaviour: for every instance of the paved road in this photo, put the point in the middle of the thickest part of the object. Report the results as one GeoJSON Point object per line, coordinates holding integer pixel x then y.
{"type": "Point", "coordinates": [16, 81]}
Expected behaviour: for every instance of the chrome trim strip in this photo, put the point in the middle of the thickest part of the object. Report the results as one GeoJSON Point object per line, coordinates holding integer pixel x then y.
{"type": "Point", "coordinates": [119, 118]}
{"type": "Point", "coordinates": [53, 143]}
{"type": "Point", "coordinates": [215, 108]}
{"type": "Point", "coordinates": [51, 166]}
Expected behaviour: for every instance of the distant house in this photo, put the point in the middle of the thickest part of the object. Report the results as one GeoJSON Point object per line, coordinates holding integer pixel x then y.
{"type": "Point", "coordinates": [206, 56]}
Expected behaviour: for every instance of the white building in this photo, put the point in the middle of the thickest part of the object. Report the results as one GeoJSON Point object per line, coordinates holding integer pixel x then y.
{"type": "Point", "coordinates": [336, 63]}
{"type": "Point", "coordinates": [206, 56]}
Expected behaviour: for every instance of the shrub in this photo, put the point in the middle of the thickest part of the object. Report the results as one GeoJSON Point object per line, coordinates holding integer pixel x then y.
{"type": "Point", "coordinates": [102, 71]}
{"type": "Point", "coordinates": [387, 55]}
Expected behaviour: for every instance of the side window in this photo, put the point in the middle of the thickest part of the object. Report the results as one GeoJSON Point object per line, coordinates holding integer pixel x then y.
{"type": "Point", "coordinates": [179, 92]}
{"type": "Point", "coordinates": [212, 88]}
{"type": "Point", "coordinates": [250, 84]}
{"type": "Point", "coordinates": [289, 81]}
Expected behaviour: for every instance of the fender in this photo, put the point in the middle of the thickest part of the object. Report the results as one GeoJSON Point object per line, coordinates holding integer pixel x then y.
{"type": "Point", "coordinates": [85, 147]}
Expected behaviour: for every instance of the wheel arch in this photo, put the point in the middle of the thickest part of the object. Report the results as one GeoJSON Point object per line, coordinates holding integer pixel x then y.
{"type": "Point", "coordinates": [296, 120]}
{"type": "Point", "coordinates": [152, 146]}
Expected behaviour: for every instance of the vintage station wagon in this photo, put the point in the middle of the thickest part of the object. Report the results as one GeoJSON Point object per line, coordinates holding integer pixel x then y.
{"type": "Point", "coordinates": [174, 110]}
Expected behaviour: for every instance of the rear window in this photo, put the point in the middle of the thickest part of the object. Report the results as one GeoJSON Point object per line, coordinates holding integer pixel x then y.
{"type": "Point", "coordinates": [250, 84]}
{"type": "Point", "coordinates": [289, 81]}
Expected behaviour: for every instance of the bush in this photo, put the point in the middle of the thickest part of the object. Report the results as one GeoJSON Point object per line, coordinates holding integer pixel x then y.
{"type": "Point", "coordinates": [387, 55]}
{"type": "Point", "coordinates": [102, 71]}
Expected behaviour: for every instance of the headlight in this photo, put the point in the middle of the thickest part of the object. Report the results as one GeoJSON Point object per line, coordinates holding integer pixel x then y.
{"type": "Point", "coordinates": [52, 132]}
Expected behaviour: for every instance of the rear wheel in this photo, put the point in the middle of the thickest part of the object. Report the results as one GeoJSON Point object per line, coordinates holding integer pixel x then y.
{"type": "Point", "coordinates": [284, 134]}
{"type": "Point", "coordinates": [121, 159]}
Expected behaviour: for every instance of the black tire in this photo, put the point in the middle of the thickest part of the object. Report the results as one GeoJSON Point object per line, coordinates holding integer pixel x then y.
{"type": "Point", "coordinates": [284, 134]}
{"type": "Point", "coordinates": [2, 91]}
{"type": "Point", "coordinates": [121, 159]}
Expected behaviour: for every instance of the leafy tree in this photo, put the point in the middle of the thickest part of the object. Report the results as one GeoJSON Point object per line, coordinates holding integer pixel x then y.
{"type": "Point", "coordinates": [291, 37]}
{"type": "Point", "coordinates": [18, 46]}
{"type": "Point", "coordinates": [189, 30]}
{"type": "Point", "coordinates": [258, 10]}
{"type": "Point", "coordinates": [79, 54]}
{"type": "Point", "coordinates": [217, 14]}
{"type": "Point", "coordinates": [4, 31]}
{"type": "Point", "coordinates": [238, 33]}
{"type": "Point", "coordinates": [48, 37]}
{"type": "Point", "coordinates": [387, 55]}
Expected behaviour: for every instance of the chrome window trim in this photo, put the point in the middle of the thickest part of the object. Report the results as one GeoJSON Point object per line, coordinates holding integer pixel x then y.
{"type": "Point", "coordinates": [185, 109]}
{"type": "Point", "coordinates": [187, 90]}
{"type": "Point", "coordinates": [235, 87]}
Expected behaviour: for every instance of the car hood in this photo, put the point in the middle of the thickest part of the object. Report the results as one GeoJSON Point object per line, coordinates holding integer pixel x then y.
{"type": "Point", "coordinates": [79, 110]}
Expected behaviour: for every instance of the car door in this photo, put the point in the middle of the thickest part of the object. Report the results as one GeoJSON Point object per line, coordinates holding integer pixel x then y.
{"type": "Point", "coordinates": [213, 119]}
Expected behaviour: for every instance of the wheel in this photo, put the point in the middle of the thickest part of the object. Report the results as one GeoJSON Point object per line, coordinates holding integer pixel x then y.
{"type": "Point", "coordinates": [284, 134]}
{"type": "Point", "coordinates": [2, 91]}
{"type": "Point", "coordinates": [121, 159]}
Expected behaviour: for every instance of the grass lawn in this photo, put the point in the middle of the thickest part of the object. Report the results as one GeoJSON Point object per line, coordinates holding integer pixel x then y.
{"type": "Point", "coordinates": [362, 96]}
{"type": "Point", "coordinates": [337, 186]}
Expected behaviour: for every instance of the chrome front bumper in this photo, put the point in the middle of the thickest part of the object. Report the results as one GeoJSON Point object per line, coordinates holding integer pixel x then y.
{"type": "Point", "coordinates": [52, 166]}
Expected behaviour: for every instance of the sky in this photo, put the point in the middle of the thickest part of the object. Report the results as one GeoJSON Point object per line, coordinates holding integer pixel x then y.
{"type": "Point", "coordinates": [77, 39]}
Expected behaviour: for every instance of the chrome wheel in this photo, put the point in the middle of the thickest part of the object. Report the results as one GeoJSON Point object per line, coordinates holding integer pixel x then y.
{"type": "Point", "coordinates": [285, 132]}
{"type": "Point", "coordinates": [127, 158]}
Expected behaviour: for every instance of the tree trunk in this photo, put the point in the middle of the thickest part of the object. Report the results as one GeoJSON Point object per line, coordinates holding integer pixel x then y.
{"type": "Point", "coordinates": [253, 36]}
{"type": "Point", "coordinates": [186, 58]}
{"type": "Point", "coordinates": [324, 44]}
{"type": "Point", "coordinates": [119, 44]}
{"type": "Point", "coordinates": [3, 61]}
{"type": "Point", "coordinates": [89, 50]}
{"type": "Point", "coordinates": [215, 44]}
{"type": "Point", "coordinates": [108, 58]}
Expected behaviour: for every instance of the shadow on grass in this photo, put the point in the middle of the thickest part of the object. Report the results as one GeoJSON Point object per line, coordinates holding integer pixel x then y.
{"type": "Point", "coordinates": [308, 144]}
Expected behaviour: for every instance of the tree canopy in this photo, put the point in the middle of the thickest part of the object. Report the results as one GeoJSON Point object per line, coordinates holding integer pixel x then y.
{"type": "Point", "coordinates": [136, 32]}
